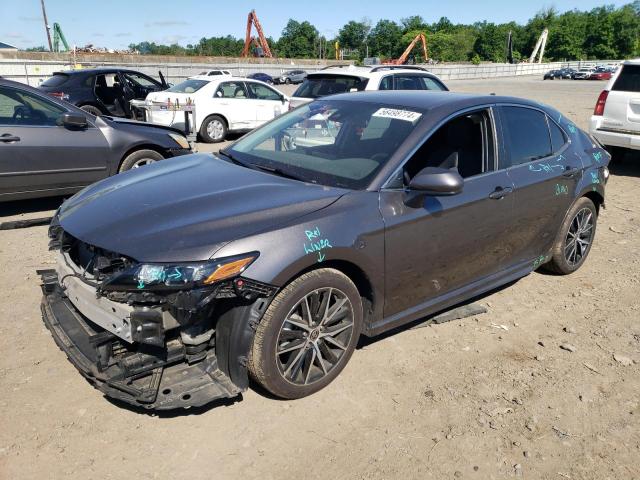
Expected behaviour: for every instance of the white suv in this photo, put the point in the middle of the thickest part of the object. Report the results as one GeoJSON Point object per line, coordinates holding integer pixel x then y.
{"type": "Point", "coordinates": [616, 118]}
{"type": "Point", "coordinates": [349, 78]}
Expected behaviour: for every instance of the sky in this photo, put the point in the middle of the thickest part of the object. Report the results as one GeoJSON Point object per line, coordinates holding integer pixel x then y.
{"type": "Point", "coordinates": [118, 23]}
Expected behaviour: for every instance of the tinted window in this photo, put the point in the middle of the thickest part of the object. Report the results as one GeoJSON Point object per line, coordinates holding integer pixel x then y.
{"type": "Point", "coordinates": [417, 82]}
{"type": "Point", "coordinates": [526, 133]}
{"type": "Point", "coordinates": [316, 86]}
{"type": "Point", "coordinates": [188, 86]}
{"type": "Point", "coordinates": [231, 90]}
{"type": "Point", "coordinates": [386, 83]}
{"type": "Point", "coordinates": [628, 80]}
{"type": "Point", "coordinates": [558, 138]}
{"type": "Point", "coordinates": [55, 81]}
{"type": "Point", "coordinates": [328, 142]}
{"type": "Point", "coordinates": [263, 93]}
{"type": "Point", "coordinates": [21, 108]}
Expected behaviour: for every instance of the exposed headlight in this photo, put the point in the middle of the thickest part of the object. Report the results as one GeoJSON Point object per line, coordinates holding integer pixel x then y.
{"type": "Point", "coordinates": [605, 173]}
{"type": "Point", "coordinates": [184, 276]}
{"type": "Point", "coordinates": [180, 140]}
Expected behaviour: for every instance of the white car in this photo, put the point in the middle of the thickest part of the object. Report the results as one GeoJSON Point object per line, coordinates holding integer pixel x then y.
{"type": "Point", "coordinates": [349, 78]}
{"type": "Point", "coordinates": [214, 72]}
{"type": "Point", "coordinates": [583, 74]}
{"type": "Point", "coordinates": [616, 118]}
{"type": "Point", "coordinates": [222, 104]}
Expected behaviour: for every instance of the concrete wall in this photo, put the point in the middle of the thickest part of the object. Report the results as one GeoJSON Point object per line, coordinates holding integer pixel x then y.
{"type": "Point", "coordinates": [33, 68]}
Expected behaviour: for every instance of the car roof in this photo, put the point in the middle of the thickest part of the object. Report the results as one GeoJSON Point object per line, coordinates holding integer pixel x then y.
{"type": "Point", "coordinates": [91, 71]}
{"type": "Point", "coordinates": [427, 100]}
{"type": "Point", "coordinates": [632, 61]}
{"type": "Point", "coordinates": [370, 71]}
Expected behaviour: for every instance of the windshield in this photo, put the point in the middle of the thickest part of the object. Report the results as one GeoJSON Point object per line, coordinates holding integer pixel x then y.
{"type": "Point", "coordinates": [322, 85]}
{"type": "Point", "coordinates": [336, 143]}
{"type": "Point", "coordinates": [188, 86]}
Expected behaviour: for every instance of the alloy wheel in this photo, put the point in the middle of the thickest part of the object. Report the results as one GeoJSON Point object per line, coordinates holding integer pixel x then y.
{"type": "Point", "coordinates": [579, 237]}
{"type": "Point", "coordinates": [314, 336]}
{"type": "Point", "coordinates": [142, 162]}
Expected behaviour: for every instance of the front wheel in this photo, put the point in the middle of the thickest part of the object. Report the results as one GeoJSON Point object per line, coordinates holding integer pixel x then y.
{"type": "Point", "coordinates": [573, 244]}
{"type": "Point", "coordinates": [139, 158]}
{"type": "Point", "coordinates": [307, 334]}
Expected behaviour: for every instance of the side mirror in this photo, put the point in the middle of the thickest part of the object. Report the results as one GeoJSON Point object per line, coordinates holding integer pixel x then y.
{"type": "Point", "coordinates": [437, 181]}
{"type": "Point", "coordinates": [72, 120]}
{"type": "Point", "coordinates": [284, 99]}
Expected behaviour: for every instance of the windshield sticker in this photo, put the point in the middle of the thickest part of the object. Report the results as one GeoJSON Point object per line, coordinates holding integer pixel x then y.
{"type": "Point", "coordinates": [406, 115]}
{"type": "Point", "coordinates": [316, 243]}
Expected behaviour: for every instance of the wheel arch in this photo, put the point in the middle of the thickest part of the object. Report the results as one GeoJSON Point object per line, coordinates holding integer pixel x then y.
{"type": "Point", "coordinates": [596, 197]}
{"type": "Point", "coordinates": [356, 274]}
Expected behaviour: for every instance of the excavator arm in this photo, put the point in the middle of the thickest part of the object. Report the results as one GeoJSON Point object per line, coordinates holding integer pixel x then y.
{"type": "Point", "coordinates": [252, 20]}
{"type": "Point", "coordinates": [403, 58]}
{"type": "Point", "coordinates": [58, 37]}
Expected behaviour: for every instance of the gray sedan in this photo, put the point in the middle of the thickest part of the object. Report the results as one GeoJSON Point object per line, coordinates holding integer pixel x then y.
{"type": "Point", "coordinates": [48, 147]}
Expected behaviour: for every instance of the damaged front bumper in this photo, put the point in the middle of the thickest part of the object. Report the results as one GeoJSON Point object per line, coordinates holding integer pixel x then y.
{"type": "Point", "coordinates": [161, 377]}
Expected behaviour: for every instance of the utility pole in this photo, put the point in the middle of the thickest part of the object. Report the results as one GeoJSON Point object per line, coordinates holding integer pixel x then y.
{"type": "Point", "coordinates": [46, 26]}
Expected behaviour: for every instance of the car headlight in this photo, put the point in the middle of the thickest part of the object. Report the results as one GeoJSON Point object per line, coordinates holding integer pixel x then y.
{"type": "Point", "coordinates": [180, 140]}
{"type": "Point", "coordinates": [178, 276]}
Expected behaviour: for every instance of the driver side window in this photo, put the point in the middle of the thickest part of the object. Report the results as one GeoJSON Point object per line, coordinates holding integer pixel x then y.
{"type": "Point", "coordinates": [464, 143]}
{"type": "Point", "coordinates": [22, 108]}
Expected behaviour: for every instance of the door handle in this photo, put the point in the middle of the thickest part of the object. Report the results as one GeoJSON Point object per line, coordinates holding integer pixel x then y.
{"type": "Point", "coordinates": [8, 138]}
{"type": "Point", "coordinates": [570, 172]}
{"type": "Point", "coordinates": [500, 192]}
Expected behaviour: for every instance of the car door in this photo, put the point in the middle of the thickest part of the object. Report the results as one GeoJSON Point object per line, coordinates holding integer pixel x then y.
{"type": "Point", "coordinates": [544, 175]}
{"type": "Point", "coordinates": [37, 154]}
{"type": "Point", "coordinates": [436, 246]}
{"type": "Point", "coordinates": [268, 103]}
{"type": "Point", "coordinates": [231, 99]}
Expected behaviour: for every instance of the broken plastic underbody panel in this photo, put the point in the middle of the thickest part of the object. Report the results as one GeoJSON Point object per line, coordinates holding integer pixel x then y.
{"type": "Point", "coordinates": [156, 351]}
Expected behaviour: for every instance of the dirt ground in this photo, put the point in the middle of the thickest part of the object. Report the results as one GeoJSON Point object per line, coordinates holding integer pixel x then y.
{"type": "Point", "coordinates": [488, 397]}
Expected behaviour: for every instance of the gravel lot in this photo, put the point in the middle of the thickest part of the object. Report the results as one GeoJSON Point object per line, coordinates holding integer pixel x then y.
{"type": "Point", "coordinates": [492, 396]}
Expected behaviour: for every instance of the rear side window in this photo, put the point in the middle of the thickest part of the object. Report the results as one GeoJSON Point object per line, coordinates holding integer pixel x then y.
{"type": "Point", "coordinates": [386, 83]}
{"type": "Point", "coordinates": [316, 86]}
{"type": "Point", "coordinates": [558, 138]}
{"type": "Point", "coordinates": [526, 134]}
{"type": "Point", "coordinates": [628, 80]}
{"type": "Point", "coordinates": [55, 81]}
{"type": "Point", "coordinates": [417, 82]}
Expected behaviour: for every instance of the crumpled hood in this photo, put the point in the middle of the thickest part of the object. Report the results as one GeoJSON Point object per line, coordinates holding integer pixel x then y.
{"type": "Point", "coordinates": [185, 209]}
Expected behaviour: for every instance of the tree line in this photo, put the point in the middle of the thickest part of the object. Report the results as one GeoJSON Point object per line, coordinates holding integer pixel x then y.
{"type": "Point", "coordinates": [602, 33]}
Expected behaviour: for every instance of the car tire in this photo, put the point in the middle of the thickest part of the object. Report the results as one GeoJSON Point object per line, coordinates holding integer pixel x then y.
{"type": "Point", "coordinates": [287, 81]}
{"type": "Point", "coordinates": [308, 361]}
{"type": "Point", "coordinates": [139, 158]}
{"type": "Point", "coordinates": [213, 129]}
{"type": "Point", "coordinates": [91, 109]}
{"type": "Point", "coordinates": [569, 253]}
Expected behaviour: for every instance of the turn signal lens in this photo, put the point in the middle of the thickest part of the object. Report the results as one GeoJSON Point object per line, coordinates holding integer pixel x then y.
{"type": "Point", "coordinates": [230, 269]}
{"type": "Point", "coordinates": [602, 100]}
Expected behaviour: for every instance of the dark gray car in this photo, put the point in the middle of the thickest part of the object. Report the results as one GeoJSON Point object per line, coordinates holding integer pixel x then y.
{"type": "Point", "coordinates": [272, 258]}
{"type": "Point", "coordinates": [49, 147]}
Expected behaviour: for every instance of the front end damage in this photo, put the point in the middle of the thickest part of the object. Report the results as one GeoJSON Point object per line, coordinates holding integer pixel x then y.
{"type": "Point", "coordinates": [157, 349]}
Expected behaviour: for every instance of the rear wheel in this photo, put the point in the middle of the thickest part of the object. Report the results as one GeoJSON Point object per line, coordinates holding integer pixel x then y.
{"type": "Point", "coordinates": [573, 244]}
{"type": "Point", "coordinates": [213, 129]}
{"type": "Point", "coordinates": [307, 334]}
{"type": "Point", "coordinates": [139, 159]}
{"type": "Point", "coordinates": [91, 109]}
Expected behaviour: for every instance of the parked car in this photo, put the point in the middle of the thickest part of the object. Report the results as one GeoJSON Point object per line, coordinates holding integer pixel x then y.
{"type": "Point", "coordinates": [553, 74]}
{"type": "Point", "coordinates": [222, 105]}
{"type": "Point", "coordinates": [263, 77]}
{"type": "Point", "coordinates": [102, 91]}
{"type": "Point", "coordinates": [583, 74]}
{"type": "Point", "coordinates": [600, 75]}
{"type": "Point", "coordinates": [616, 118]}
{"type": "Point", "coordinates": [214, 72]}
{"type": "Point", "coordinates": [348, 78]}
{"type": "Point", "coordinates": [291, 76]}
{"type": "Point", "coordinates": [271, 262]}
{"type": "Point", "coordinates": [49, 147]}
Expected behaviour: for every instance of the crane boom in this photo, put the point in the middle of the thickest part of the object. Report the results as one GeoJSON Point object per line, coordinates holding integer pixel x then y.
{"type": "Point", "coordinates": [58, 37]}
{"type": "Point", "coordinates": [540, 45]}
{"type": "Point", "coordinates": [403, 58]}
{"type": "Point", "coordinates": [252, 20]}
